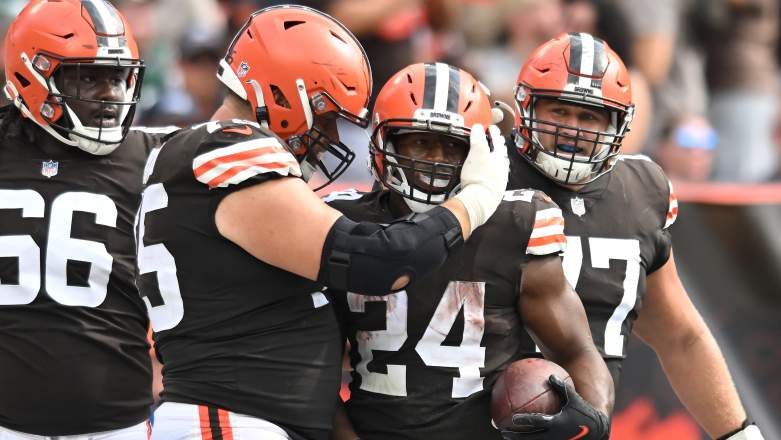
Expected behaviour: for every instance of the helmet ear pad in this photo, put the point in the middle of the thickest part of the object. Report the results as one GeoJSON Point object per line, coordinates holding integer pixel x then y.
{"type": "Point", "coordinates": [575, 69]}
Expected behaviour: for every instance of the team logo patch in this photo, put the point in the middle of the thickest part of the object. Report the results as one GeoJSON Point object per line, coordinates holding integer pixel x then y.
{"type": "Point", "coordinates": [49, 168]}
{"type": "Point", "coordinates": [578, 206]}
{"type": "Point", "coordinates": [243, 69]}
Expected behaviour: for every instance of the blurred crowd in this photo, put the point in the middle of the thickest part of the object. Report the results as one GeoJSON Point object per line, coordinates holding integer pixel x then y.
{"type": "Point", "coordinates": [705, 73]}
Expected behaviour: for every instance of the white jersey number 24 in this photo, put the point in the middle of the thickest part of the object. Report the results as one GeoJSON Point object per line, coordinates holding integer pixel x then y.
{"type": "Point", "coordinates": [468, 357]}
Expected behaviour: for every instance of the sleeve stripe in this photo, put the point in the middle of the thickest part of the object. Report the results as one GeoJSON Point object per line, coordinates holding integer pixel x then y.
{"type": "Point", "coordinates": [551, 244]}
{"type": "Point", "coordinates": [672, 210]}
{"type": "Point", "coordinates": [547, 230]}
{"type": "Point", "coordinates": [235, 163]}
{"type": "Point", "coordinates": [547, 237]}
{"type": "Point", "coordinates": [238, 175]}
{"type": "Point", "coordinates": [215, 168]}
{"type": "Point", "coordinates": [236, 148]}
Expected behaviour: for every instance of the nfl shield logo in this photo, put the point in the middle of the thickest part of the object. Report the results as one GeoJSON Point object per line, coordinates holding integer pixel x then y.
{"type": "Point", "coordinates": [49, 168]}
{"type": "Point", "coordinates": [243, 69]}
{"type": "Point", "coordinates": [578, 206]}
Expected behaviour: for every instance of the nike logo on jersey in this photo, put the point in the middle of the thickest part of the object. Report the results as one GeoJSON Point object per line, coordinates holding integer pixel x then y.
{"type": "Point", "coordinates": [583, 432]}
{"type": "Point", "coordinates": [245, 130]}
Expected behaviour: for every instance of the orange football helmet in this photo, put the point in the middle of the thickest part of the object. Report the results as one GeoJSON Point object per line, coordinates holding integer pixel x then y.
{"type": "Point", "coordinates": [579, 69]}
{"type": "Point", "coordinates": [435, 98]}
{"type": "Point", "coordinates": [48, 36]}
{"type": "Point", "coordinates": [295, 65]}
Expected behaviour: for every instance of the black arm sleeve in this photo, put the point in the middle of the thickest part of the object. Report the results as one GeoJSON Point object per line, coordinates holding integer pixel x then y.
{"type": "Point", "coordinates": [367, 258]}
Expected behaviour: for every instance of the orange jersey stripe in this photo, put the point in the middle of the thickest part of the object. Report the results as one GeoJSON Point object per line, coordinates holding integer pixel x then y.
{"type": "Point", "coordinates": [244, 155]}
{"type": "Point", "coordinates": [225, 425]}
{"type": "Point", "coordinates": [237, 169]}
{"type": "Point", "coordinates": [548, 239]}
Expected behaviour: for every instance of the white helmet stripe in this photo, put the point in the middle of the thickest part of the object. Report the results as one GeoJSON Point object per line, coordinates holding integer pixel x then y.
{"type": "Point", "coordinates": [586, 59]}
{"type": "Point", "coordinates": [441, 91]}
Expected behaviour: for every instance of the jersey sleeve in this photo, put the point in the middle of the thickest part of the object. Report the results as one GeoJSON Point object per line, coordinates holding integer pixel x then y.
{"type": "Point", "coordinates": [663, 239]}
{"type": "Point", "coordinates": [242, 155]}
{"type": "Point", "coordinates": [540, 218]}
{"type": "Point", "coordinates": [335, 198]}
{"type": "Point", "coordinates": [659, 194]}
{"type": "Point", "coordinates": [547, 235]}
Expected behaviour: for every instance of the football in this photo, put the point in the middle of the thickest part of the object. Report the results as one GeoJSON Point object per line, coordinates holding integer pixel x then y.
{"type": "Point", "coordinates": [523, 388]}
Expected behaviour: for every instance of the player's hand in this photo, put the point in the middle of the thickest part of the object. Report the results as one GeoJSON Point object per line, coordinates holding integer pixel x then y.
{"type": "Point", "coordinates": [577, 419]}
{"type": "Point", "coordinates": [484, 174]}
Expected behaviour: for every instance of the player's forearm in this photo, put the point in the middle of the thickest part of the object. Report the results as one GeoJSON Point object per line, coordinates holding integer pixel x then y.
{"type": "Point", "coordinates": [457, 208]}
{"type": "Point", "coordinates": [592, 379]}
{"type": "Point", "coordinates": [709, 395]}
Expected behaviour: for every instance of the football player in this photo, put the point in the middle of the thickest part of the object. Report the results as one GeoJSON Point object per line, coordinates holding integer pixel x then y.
{"type": "Point", "coordinates": [74, 359]}
{"type": "Point", "coordinates": [573, 108]}
{"type": "Point", "coordinates": [233, 244]}
{"type": "Point", "coordinates": [424, 358]}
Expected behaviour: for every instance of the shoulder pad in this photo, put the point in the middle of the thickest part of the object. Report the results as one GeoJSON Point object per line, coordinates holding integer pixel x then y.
{"type": "Point", "coordinates": [525, 195]}
{"type": "Point", "coordinates": [655, 182]}
{"type": "Point", "coordinates": [156, 130]}
{"type": "Point", "coordinates": [529, 195]}
{"type": "Point", "coordinates": [347, 194]}
{"type": "Point", "coordinates": [634, 157]}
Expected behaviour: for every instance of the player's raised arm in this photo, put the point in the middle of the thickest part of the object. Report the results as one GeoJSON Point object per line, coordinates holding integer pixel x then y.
{"type": "Point", "coordinates": [282, 222]}
{"type": "Point", "coordinates": [231, 240]}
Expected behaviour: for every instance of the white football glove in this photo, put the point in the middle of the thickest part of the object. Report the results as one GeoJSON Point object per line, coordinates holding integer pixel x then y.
{"type": "Point", "coordinates": [750, 432]}
{"type": "Point", "coordinates": [483, 175]}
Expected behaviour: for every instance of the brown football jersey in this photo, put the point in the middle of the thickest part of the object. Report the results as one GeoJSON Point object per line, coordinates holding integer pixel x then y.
{"type": "Point", "coordinates": [424, 358]}
{"type": "Point", "coordinates": [74, 357]}
{"type": "Point", "coordinates": [231, 331]}
{"type": "Point", "coordinates": [617, 234]}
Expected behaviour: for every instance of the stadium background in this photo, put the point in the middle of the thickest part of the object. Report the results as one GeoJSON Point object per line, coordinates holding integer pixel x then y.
{"type": "Point", "coordinates": [705, 76]}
